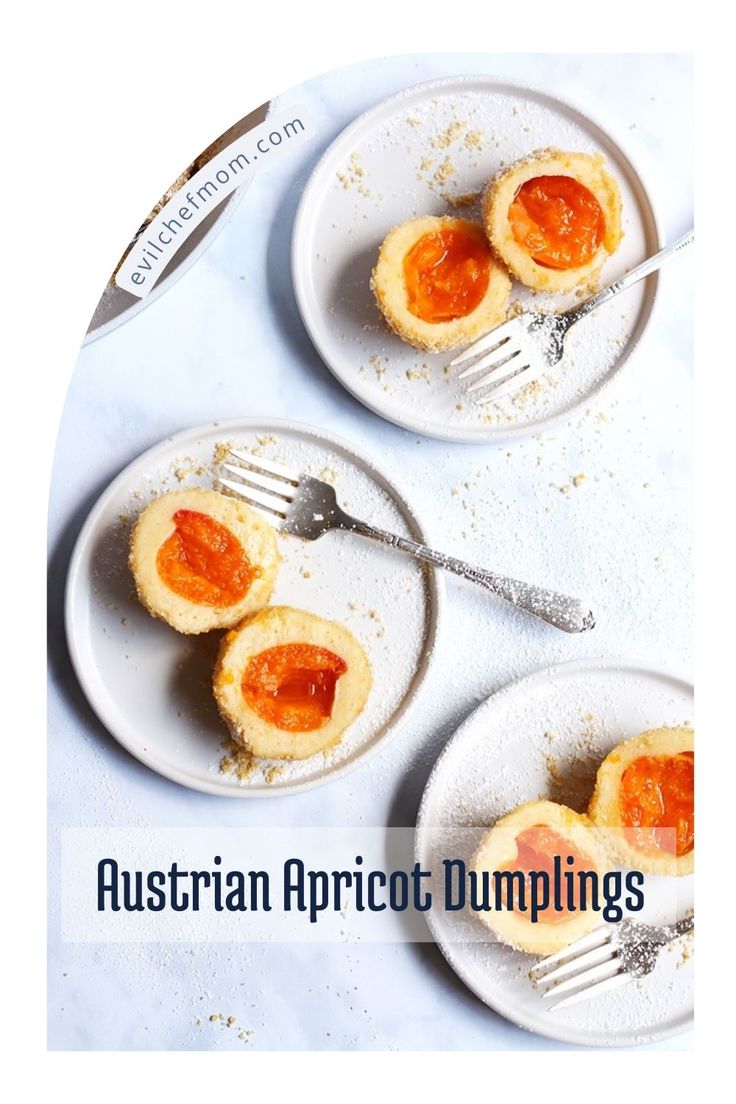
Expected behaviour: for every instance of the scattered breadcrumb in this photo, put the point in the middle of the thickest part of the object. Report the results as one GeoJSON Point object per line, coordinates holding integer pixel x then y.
{"type": "Point", "coordinates": [221, 450]}
{"type": "Point", "coordinates": [377, 364]}
{"type": "Point", "coordinates": [272, 773]}
{"type": "Point", "coordinates": [688, 949]}
{"type": "Point", "coordinates": [465, 199]}
{"type": "Point", "coordinates": [527, 393]}
{"type": "Point", "coordinates": [446, 137]}
{"type": "Point", "coordinates": [444, 172]}
{"type": "Point", "coordinates": [353, 174]}
{"type": "Point", "coordinates": [238, 761]}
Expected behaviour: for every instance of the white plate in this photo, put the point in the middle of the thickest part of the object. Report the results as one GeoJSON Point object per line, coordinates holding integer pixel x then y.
{"type": "Point", "coordinates": [544, 736]}
{"type": "Point", "coordinates": [150, 686]}
{"type": "Point", "coordinates": [116, 305]}
{"type": "Point", "coordinates": [373, 177]}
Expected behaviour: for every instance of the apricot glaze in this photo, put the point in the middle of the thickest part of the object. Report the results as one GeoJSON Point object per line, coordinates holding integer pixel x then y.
{"type": "Point", "coordinates": [656, 802]}
{"type": "Point", "coordinates": [204, 562]}
{"type": "Point", "coordinates": [536, 848]}
{"type": "Point", "coordinates": [557, 221]}
{"type": "Point", "coordinates": [293, 686]}
{"type": "Point", "coordinates": [446, 275]}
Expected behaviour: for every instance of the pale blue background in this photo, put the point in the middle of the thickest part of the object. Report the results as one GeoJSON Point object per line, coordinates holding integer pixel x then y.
{"type": "Point", "coordinates": [226, 341]}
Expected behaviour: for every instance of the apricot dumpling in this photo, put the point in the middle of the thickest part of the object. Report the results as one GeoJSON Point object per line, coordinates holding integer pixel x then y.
{"type": "Point", "coordinates": [528, 839]}
{"type": "Point", "coordinates": [201, 560]}
{"type": "Point", "coordinates": [438, 284]}
{"type": "Point", "coordinates": [644, 795]}
{"type": "Point", "coordinates": [553, 218]}
{"type": "Point", "coordinates": [289, 683]}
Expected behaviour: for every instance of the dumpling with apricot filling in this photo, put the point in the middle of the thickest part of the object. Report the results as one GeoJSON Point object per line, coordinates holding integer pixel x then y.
{"type": "Point", "coordinates": [553, 218]}
{"type": "Point", "coordinates": [201, 560]}
{"type": "Point", "coordinates": [438, 284]}
{"type": "Point", "coordinates": [289, 683]}
{"type": "Point", "coordinates": [644, 796]}
{"type": "Point", "coordinates": [528, 839]}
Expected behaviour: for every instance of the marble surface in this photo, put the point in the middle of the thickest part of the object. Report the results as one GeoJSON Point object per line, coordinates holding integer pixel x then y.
{"type": "Point", "coordinates": [227, 341]}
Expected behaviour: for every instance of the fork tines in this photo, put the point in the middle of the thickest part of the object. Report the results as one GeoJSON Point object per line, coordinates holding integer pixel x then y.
{"type": "Point", "coordinates": [483, 344]}
{"type": "Point", "coordinates": [585, 969]}
{"type": "Point", "coordinates": [501, 352]}
{"type": "Point", "coordinates": [262, 483]}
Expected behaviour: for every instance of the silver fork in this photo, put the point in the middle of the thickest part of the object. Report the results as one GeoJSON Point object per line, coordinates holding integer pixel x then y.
{"type": "Point", "coordinates": [604, 959]}
{"type": "Point", "coordinates": [307, 508]}
{"type": "Point", "coordinates": [521, 350]}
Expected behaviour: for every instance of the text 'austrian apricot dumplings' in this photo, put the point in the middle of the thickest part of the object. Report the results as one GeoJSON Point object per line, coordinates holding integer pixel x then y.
{"type": "Point", "coordinates": [644, 795]}
{"type": "Point", "coordinates": [438, 284]}
{"type": "Point", "coordinates": [202, 561]}
{"type": "Point", "coordinates": [528, 839]}
{"type": "Point", "coordinates": [553, 218]}
{"type": "Point", "coordinates": [289, 683]}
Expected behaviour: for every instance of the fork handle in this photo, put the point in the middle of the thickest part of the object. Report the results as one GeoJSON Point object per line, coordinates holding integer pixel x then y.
{"type": "Point", "coordinates": [652, 264]}
{"type": "Point", "coordinates": [569, 614]}
{"type": "Point", "coordinates": [681, 927]}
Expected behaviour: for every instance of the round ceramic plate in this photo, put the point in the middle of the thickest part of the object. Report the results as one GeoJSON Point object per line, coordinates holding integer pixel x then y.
{"type": "Point", "coordinates": [430, 150]}
{"type": "Point", "coordinates": [151, 686]}
{"type": "Point", "coordinates": [117, 305]}
{"type": "Point", "coordinates": [544, 737]}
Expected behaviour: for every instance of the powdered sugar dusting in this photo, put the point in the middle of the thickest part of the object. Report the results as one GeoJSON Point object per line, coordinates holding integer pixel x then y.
{"type": "Point", "coordinates": [432, 152]}
{"type": "Point", "coordinates": [161, 681]}
{"type": "Point", "coordinates": [544, 738]}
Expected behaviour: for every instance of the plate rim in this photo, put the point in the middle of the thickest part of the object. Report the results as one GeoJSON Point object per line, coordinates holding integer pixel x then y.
{"type": "Point", "coordinates": [436, 602]}
{"type": "Point", "coordinates": [229, 206]}
{"type": "Point", "coordinates": [607, 1042]}
{"type": "Point", "coordinates": [478, 435]}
